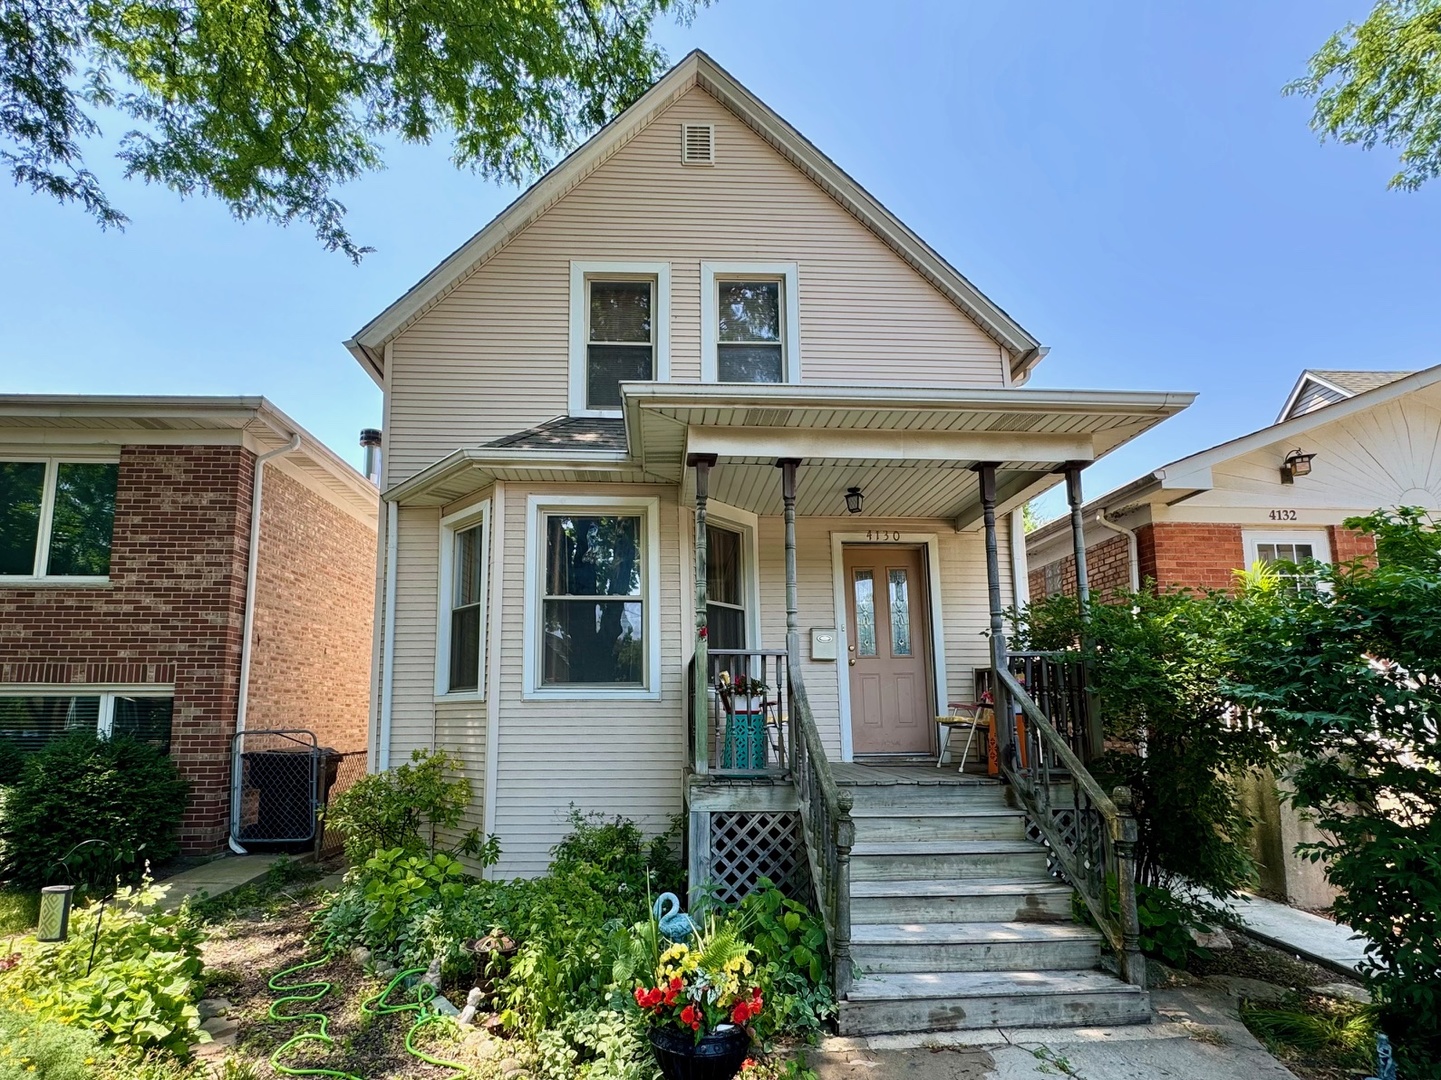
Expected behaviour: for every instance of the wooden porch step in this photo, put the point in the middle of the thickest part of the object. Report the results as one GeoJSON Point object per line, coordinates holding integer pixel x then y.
{"type": "Point", "coordinates": [948, 1000]}
{"type": "Point", "coordinates": [920, 823]}
{"type": "Point", "coordinates": [951, 860]}
{"type": "Point", "coordinates": [954, 901]}
{"type": "Point", "coordinates": [881, 948]}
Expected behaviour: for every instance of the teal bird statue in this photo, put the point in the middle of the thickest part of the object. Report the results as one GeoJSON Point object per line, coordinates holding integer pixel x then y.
{"type": "Point", "coordinates": [674, 923]}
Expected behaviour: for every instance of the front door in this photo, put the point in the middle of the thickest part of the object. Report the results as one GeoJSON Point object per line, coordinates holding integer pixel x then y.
{"type": "Point", "coordinates": [888, 649]}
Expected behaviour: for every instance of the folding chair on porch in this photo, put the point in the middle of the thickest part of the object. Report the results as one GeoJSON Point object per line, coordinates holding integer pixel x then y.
{"type": "Point", "coordinates": [973, 716]}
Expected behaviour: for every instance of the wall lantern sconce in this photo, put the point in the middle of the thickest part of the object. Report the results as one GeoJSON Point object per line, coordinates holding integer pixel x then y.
{"type": "Point", "coordinates": [1296, 464]}
{"type": "Point", "coordinates": [854, 500]}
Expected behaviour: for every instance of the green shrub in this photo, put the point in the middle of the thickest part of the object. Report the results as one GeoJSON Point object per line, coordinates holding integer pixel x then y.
{"type": "Point", "coordinates": [405, 807]}
{"type": "Point", "coordinates": [139, 992]}
{"type": "Point", "coordinates": [33, 1049]}
{"type": "Point", "coordinates": [12, 760]}
{"type": "Point", "coordinates": [85, 787]}
{"type": "Point", "coordinates": [790, 941]}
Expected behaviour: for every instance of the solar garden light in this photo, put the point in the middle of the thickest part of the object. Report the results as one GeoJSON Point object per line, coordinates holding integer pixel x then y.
{"type": "Point", "coordinates": [57, 901]}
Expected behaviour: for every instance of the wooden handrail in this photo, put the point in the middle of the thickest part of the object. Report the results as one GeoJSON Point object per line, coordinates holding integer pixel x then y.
{"type": "Point", "coordinates": [1067, 756]}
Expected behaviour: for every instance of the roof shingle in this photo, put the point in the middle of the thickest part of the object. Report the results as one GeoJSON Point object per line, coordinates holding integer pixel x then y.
{"type": "Point", "coordinates": [569, 433]}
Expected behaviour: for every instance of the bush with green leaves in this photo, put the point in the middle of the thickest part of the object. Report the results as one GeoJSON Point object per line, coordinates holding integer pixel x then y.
{"type": "Point", "coordinates": [1347, 677]}
{"type": "Point", "coordinates": [385, 898]}
{"type": "Point", "coordinates": [33, 1049]}
{"type": "Point", "coordinates": [139, 992]}
{"type": "Point", "coordinates": [12, 762]}
{"type": "Point", "coordinates": [406, 807]}
{"type": "Point", "coordinates": [1157, 663]}
{"type": "Point", "coordinates": [88, 787]}
{"type": "Point", "coordinates": [790, 941]}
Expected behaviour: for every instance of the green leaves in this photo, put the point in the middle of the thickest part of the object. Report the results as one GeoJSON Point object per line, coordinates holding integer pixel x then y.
{"type": "Point", "coordinates": [1379, 81]}
{"type": "Point", "coordinates": [409, 807]}
{"type": "Point", "coordinates": [271, 107]}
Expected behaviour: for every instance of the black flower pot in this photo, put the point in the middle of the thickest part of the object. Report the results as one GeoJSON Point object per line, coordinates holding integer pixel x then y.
{"type": "Point", "coordinates": [718, 1056]}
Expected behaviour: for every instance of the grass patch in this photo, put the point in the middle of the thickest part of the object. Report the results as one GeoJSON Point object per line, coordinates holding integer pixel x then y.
{"type": "Point", "coordinates": [18, 911]}
{"type": "Point", "coordinates": [1317, 1037]}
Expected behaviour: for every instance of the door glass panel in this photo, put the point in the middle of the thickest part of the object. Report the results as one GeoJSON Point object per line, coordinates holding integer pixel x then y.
{"type": "Point", "coordinates": [900, 613]}
{"type": "Point", "coordinates": [865, 613]}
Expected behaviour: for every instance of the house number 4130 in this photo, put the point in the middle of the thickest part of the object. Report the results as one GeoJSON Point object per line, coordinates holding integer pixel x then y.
{"type": "Point", "coordinates": [882, 534]}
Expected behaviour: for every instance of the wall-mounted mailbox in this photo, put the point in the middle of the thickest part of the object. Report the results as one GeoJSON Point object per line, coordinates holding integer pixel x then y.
{"type": "Point", "coordinates": [823, 643]}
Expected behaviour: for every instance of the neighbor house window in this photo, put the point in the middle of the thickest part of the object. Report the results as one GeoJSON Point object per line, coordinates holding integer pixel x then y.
{"type": "Point", "coordinates": [1288, 551]}
{"type": "Point", "coordinates": [33, 718]}
{"type": "Point", "coordinates": [620, 315]}
{"type": "Point", "coordinates": [56, 518]}
{"type": "Point", "coordinates": [464, 562]}
{"type": "Point", "coordinates": [591, 598]}
{"type": "Point", "coordinates": [749, 314]}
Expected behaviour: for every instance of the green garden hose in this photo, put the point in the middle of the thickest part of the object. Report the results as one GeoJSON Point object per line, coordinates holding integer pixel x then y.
{"type": "Point", "coordinates": [307, 993]}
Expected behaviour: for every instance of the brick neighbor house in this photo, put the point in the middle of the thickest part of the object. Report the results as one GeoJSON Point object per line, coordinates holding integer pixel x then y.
{"type": "Point", "coordinates": [126, 585]}
{"type": "Point", "coordinates": [1344, 444]}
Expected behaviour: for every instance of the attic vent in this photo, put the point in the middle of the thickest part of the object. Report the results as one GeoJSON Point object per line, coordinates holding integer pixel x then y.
{"type": "Point", "coordinates": [697, 144]}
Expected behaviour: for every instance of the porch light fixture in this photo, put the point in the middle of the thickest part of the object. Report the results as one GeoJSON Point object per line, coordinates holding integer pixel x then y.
{"type": "Point", "coordinates": [1296, 464]}
{"type": "Point", "coordinates": [854, 500]}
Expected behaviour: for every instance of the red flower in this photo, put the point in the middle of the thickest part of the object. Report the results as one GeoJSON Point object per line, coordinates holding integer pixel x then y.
{"type": "Point", "coordinates": [748, 1063]}
{"type": "Point", "coordinates": [690, 1015]}
{"type": "Point", "coordinates": [741, 1013]}
{"type": "Point", "coordinates": [640, 997]}
{"type": "Point", "coordinates": [673, 992]}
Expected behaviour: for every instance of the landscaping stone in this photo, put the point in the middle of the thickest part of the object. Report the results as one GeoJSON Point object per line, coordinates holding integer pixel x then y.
{"type": "Point", "coordinates": [1216, 940]}
{"type": "Point", "coordinates": [361, 955]}
{"type": "Point", "coordinates": [1238, 987]}
{"type": "Point", "coordinates": [1344, 992]}
{"type": "Point", "coordinates": [212, 1007]}
{"type": "Point", "coordinates": [220, 1028]}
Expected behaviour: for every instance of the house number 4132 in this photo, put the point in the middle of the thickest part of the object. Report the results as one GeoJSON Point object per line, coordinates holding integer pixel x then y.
{"type": "Point", "coordinates": [1283, 515]}
{"type": "Point", "coordinates": [882, 534]}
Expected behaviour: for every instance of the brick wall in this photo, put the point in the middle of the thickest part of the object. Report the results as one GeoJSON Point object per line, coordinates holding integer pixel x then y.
{"type": "Point", "coordinates": [1197, 556]}
{"type": "Point", "coordinates": [1347, 544]}
{"type": "Point", "coordinates": [172, 611]}
{"type": "Point", "coordinates": [314, 609]}
{"type": "Point", "coordinates": [1108, 570]}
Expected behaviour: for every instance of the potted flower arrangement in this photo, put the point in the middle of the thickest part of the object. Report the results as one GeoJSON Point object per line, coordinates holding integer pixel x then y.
{"type": "Point", "coordinates": [698, 1004]}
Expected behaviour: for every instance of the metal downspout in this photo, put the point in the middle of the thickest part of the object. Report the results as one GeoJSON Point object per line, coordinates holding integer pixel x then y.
{"type": "Point", "coordinates": [251, 572]}
{"type": "Point", "coordinates": [387, 657]}
{"type": "Point", "coordinates": [1130, 535]}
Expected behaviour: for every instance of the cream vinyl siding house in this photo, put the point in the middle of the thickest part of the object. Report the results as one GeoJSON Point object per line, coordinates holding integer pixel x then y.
{"type": "Point", "coordinates": [698, 409]}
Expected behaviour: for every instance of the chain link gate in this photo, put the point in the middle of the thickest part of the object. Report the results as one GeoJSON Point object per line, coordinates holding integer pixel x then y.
{"type": "Point", "coordinates": [275, 787]}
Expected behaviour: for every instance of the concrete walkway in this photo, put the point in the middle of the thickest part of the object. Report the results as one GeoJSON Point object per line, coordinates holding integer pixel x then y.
{"type": "Point", "coordinates": [1321, 941]}
{"type": "Point", "coordinates": [217, 877]}
{"type": "Point", "coordinates": [1196, 1036]}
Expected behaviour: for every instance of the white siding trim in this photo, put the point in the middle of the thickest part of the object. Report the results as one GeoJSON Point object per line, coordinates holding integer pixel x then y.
{"type": "Point", "coordinates": [449, 526]}
{"type": "Point", "coordinates": [932, 544]}
{"type": "Point", "coordinates": [387, 656]}
{"type": "Point", "coordinates": [789, 275]}
{"type": "Point", "coordinates": [579, 273]}
{"type": "Point", "coordinates": [491, 794]}
{"type": "Point", "coordinates": [536, 507]}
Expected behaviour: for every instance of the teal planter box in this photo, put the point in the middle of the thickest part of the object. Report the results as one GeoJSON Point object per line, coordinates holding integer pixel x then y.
{"type": "Point", "coordinates": [745, 741]}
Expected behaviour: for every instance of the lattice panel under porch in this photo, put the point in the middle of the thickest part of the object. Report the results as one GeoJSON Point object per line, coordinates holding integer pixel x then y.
{"type": "Point", "coordinates": [748, 845]}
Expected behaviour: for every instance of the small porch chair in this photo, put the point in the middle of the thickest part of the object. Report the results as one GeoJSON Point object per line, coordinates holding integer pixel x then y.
{"type": "Point", "coordinates": [971, 715]}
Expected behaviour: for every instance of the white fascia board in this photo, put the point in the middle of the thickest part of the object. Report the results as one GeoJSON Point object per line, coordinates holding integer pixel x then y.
{"type": "Point", "coordinates": [888, 445]}
{"type": "Point", "coordinates": [500, 457]}
{"type": "Point", "coordinates": [1309, 376]}
{"type": "Point", "coordinates": [699, 395]}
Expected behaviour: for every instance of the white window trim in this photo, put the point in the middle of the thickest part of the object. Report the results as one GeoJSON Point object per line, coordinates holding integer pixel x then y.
{"type": "Point", "coordinates": [788, 274]}
{"type": "Point", "coordinates": [47, 514]}
{"type": "Point", "coordinates": [580, 274]}
{"type": "Point", "coordinates": [537, 506]}
{"type": "Point", "coordinates": [1318, 539]}
{"type": "Point", "coordinates": [748, 525]}
{"type": "Point", "coordinates": [106, 692]}
{"type": "Point", "coordinates": [449, 526]}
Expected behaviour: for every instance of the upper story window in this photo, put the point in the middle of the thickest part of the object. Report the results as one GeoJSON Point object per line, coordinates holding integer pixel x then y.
{"type": "Point", "coordinates": [56, 518]}
{"type": "Point", "coordinates": [620, 331]}
{"type": "Point", "coordinates": [748, 323]}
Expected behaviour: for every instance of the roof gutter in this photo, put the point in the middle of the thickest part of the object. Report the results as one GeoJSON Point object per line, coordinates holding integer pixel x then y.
{"type": "Point", "coordinates": [251, 573]}
{"type": "Point", "coordinates": [1133, 550]}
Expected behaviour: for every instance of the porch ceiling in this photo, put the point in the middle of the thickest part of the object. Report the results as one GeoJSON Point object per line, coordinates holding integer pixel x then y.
{"type": "Point", "coordinates": [909, 450]}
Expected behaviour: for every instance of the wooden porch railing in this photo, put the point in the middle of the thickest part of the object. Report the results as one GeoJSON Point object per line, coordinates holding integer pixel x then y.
{"type": "Point", "coordinates": [1092, 835]}
{"type": "Point", "coordinates": [717, 714]}
{"type": "Point", "coordinates": [1057, 682]}
{"type": "Point", "coordinates": [829, 831]}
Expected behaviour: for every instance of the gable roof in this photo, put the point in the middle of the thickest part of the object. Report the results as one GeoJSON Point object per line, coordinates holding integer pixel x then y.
{"type": "Point", "coordinates": [697, 69]}
{"type": "Point", "coordinates": [1184, 477]}
{"type": "Point", "coordinates": [1316, 389]}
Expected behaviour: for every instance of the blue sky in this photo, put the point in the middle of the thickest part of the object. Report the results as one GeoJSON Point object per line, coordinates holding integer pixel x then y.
{"type": "Point", "coordinates": [1124, 178]}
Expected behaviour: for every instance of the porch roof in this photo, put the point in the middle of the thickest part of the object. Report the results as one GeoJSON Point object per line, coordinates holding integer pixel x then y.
{"type": "Point", "coordinates": [910, 449]}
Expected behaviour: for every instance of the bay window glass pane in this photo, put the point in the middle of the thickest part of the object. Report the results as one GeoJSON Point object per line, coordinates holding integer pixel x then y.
{"type": "Point", "coordinates": [750, 311]}
{"type": "Point", "coordinates": [22, 483]}
{"type": "Point", "coordinates": [592, 556]}
{"type": "Point", "coordinates": [749, 363]}
{"type": "Point", "coordinates": [144, 718]}
{"type": "Point", "coordinates": [723, 566]}
{"type": "Point", "coordinates": [83, 521]}
{"type": "Point", "coordinates": [31, 722]}
{"type": "Point", "coordinates": [593, 642]}
{"type": "Point", "coordinates": [620, 311]}
{"type": "Point", "coordinates": [468, 566]}
{"type": "Point", "coordinates": [607, 366]}
{"type": "Point", "coordinates": [465, 648]}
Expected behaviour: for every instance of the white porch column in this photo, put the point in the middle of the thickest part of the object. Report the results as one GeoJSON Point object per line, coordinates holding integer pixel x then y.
{"type": "Point", "coordinates": [700, 687]}
{"type": "Point", "coordinates": [787, 466]}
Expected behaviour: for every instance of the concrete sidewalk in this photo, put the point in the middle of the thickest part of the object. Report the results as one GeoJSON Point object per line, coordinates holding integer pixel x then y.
{"type": "Point", "coordinates": [1196, 1036]}
{"type": "Point", "coordinates": [219, 876]}
{"type": "Point", "coordinates": [1321, 941]}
